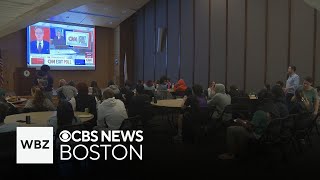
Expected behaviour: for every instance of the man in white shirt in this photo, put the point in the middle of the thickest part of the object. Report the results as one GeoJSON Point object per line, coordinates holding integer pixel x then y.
{"type": "Point", "coordinates": [111, 112]}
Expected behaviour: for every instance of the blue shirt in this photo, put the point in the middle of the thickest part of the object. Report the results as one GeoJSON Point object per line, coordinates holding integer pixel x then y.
{"type": "Point", "coordinates": [292, 83]}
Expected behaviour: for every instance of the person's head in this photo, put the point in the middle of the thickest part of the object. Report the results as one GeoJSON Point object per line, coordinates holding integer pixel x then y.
{"type": "Point", "coordinates": [62, 82]}
{"type": "Point", "coordinates": [267, 87]}
{"type": "Point", "coordinates": [197, 90]}
{"type": "Point", "coordinates": [291, 69]}
{"type": "Point", "coordinates": [263, 95]}
{"type": "Point", "coordinates": [307, 82]}
{"type": "Point", "coordinates": [94, 84]}
{"type": "Point", "coordinates": [212, 84]}
{"type": "Point", "coordinates": [65, 114]}
{"type": "Point", "coordinates": [72, 83]}
{"type": "Point", "coordinates": [3, 111]}
{"type": "Point", "coordinates": [39, 33]}
{"type": "Point", "coordinates": [220, 88]}
{"type": "Point", "coordinates": [82, 88]}
{"type": "Point", "coordinates": [38, 97]}
{"type": "Point", "coordinates": [108, 93]}
{"type": "Point", "coordinates": [280, 83]}
{"type": "Point", "coordinates": [140, 89]}
{"type": "Point", "coordinates": [163, 80]}
{"type": "Point", "coordinates": [110, 83]}
{"type": "Point", "coordinates": [149, 83]}
{"type": "Point", "coordinates": [277, 92]}
{"type": "Point", "coordinates": [139, 82]}
{"type": "Point", "coordinates": [45, 68]}
{"type": "Point", "coordinates": [58, 33]}
{"type": "Point", "coordinates": [298, 94]}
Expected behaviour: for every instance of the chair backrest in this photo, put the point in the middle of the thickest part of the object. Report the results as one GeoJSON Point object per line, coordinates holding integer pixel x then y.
{"type": "Point", "coordinates": [130, 123]}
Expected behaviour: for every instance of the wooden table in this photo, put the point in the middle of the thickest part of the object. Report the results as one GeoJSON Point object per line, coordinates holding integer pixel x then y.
{"type": "Point", "coordinates": [169, 103]}
{"type": "Point", "coordinates": [40, 118]}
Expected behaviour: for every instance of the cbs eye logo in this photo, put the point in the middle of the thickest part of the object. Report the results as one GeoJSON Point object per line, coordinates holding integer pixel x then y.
{"type": "Point", "coordinates": [65, 136]}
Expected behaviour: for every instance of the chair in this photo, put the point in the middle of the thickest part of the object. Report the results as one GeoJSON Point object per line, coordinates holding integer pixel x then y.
{"type": "Point", "coordinates": [314, 125]}
{"type": "Point", "coordinates": [131, 123]}
{"type": "Point", "coordinates": [271, 138]}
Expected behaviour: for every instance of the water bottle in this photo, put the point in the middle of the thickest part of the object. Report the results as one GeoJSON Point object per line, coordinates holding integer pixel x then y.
{"type": "Point", "coordinates": [155, 100]}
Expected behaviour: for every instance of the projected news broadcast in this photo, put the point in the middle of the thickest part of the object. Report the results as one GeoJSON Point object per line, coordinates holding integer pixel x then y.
{"type": "Point", "coordinates": [61, 46]}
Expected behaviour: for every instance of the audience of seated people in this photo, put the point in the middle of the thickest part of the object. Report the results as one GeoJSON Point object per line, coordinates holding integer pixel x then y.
{"type": "Point", "coordinates": [111, 112]}
{"type": "Point", "coordinates": [65, 91]}
{"type": "Point", "coordinates": [5, 127]}
{"type": "Point", "coordinates": [39, 102]}
{"type": "Point", "coordinates": [192, 103]}
{"type": "Point", "coordinates": [96, 91]}
{"type": "Point", "coordinates": [279, 100]}
{"type": "Point", "coordinates": [65, 116]}
{"type": "Point", "coordinates": [220, 100]}
{"type": "Point", "coordinates": [83, 101]}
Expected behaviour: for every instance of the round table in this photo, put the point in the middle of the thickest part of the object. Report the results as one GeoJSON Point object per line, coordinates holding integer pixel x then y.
{"type": "Point", "coordinates": [41, 118]}
{"type": "Point", "coordinates": [169, 103]}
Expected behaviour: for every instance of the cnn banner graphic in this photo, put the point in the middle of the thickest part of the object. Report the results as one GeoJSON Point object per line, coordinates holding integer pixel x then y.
{"type": "Point", "coordinates": [79, 39]}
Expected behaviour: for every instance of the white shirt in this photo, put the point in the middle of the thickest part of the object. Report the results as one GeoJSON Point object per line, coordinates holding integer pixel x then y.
{"type": "Point", "coordinates": [38, 42]}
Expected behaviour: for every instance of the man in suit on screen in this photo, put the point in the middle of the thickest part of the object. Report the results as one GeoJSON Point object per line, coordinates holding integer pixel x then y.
{"type": "Point", "coordinates": [39, 46]}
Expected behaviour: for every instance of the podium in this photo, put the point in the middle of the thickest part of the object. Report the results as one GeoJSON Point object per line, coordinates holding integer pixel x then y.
{"type": "Point", "coordinates": [23, 81]}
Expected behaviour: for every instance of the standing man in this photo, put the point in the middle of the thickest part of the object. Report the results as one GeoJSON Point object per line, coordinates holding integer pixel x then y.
{"type": "Point", "coordinates": [45, 81]}
{"type": "Point", "coordinates": [291, 85]}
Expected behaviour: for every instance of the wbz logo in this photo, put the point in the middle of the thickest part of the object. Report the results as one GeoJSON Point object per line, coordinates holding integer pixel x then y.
{"type": "Point", "coordinates": [34, 145]}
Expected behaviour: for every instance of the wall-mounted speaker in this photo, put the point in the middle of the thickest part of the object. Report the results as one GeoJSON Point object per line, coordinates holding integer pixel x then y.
{"type": "Point", "coordinates": [161, 34]}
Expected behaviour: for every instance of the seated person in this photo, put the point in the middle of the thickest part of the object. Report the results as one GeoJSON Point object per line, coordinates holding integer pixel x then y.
{"type": "Point", "coordinates": [220, 100]}
{"type": "Point", "coordinates": [148, 86]}
{"type": "Point", "coordinates": [38, 102]}
{"type": "Point", "coordinates": [4, 109]}
{"type": "Point", "coordinates": [211, 91]}
{"type": "Point", "coordinates": [281, 84]}
{"type": "Point", "coordinates": [234, 92]}
{"type": "Point", "coordinates": [65, 116]}
{"type": "Point", "coordinates": [279, 100]}
{"type": "Point", "coordinates": [180, 87]}
{"type": "Point", "coordinates": [111, 112]}
{"type": "Point", "coordinates": [96, 91]}
{"type": "Point", "coordinates": [311, 94]}
{"type": "Point", "coordinates": [138, 102]}
{"type": "Point", "coordinates": [300, 104]}
{"type": "Point", "coordinates": [83, 100]}
{"type": "Point", "coordinates": [65, 91]}
{"type": "Point", "coordinates": [163, 84]}
{"type": "Point", "coordinates": [127, 92]}
{"type": "Point", "coordinates": [238, 137]}
{"type": "Point", "coordinates": [194, 102]}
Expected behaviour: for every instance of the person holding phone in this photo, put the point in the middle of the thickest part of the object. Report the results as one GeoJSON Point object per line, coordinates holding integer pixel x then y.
{"type": "Point", "coordinates": [300, 104]}
{"type": "Point", "coordinates": [310, 94]}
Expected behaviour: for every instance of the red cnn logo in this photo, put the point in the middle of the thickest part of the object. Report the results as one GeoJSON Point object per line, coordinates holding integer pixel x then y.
{"type": "Point", "coordinates": [72, 38]}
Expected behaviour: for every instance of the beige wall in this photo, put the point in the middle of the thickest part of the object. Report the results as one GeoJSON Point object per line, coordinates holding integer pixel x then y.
{"type": "Point", "coordinates": [13, 48]}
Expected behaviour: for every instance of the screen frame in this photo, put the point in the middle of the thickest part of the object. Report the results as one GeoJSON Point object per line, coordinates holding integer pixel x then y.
{"type": "Point", "coordinates": [62, 68]}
